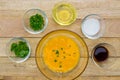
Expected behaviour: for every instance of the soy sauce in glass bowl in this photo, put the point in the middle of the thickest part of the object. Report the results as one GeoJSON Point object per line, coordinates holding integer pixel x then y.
{"type": "Point", "coordinates": [104, 56]}
{"type": "Point", "coordinates": [101, 53]}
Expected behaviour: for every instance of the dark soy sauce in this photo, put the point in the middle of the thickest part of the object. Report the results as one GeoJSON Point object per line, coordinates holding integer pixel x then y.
{"type": "Point", "coordinates": [100, 53]}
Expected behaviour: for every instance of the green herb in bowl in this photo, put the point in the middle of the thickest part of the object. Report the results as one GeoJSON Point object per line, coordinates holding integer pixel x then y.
{"type": "Point", "coordinates": [36, 22]}
{"type": "Point", "coordinates": [20, 49]}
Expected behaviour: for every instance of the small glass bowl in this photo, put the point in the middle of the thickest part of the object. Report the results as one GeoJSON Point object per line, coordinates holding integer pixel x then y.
{"type": "Point", "coordinates": [11, 55]}
{"type": "Point", "coordinates": [63, 8]}
{"type": "Point", "coordinates": [109, 62]}
{"type": "Point", "coordinates": [27, 16]}
{"type": "Point", "coordinates": [101, 30]}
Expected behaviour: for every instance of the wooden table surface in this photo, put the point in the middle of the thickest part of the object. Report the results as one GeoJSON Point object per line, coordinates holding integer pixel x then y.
{"type": "Point", "coordinates": [11, 25]}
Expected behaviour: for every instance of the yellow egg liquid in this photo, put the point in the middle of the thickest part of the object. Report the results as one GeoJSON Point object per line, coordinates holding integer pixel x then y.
{"type": "Point", "coordinates": [61, 54]}
{"type": "Point", "coordinates": [64, 14]}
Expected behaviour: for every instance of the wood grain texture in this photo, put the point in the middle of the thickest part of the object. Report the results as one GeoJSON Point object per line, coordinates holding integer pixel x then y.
{"type": "Point", "coordinates": [11, 25]}
{"type": "Point", "coordinates": [29, 68]}
{"type": "Point", "coordinates": [12, 13]}
{"type": "Point", "coordinates": [80, 78]}
{"type": "Point", "coordinates": [1, 77]}
{"type": "Point", "coordinates": [115, 42]}
{"type": "Point", "coordinates": [7, 29]}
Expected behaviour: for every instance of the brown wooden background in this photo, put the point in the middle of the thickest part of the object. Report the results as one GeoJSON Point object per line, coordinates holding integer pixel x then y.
{"type": "Point", "coordinates": [11, 25]}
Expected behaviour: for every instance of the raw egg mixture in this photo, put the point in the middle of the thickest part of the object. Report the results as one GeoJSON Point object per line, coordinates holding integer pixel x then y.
{"type": "Point", "coordinates": [61, 54]}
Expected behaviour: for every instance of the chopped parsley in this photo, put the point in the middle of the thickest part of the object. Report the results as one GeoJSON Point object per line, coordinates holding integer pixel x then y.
{"type": "Point", "coordinates": [53, 50]}
{"type": "Point", "coordinates": [61, 48]}
{"type": "Point", "coordinates": [64, 57]}
{"type": "Point", "coordinates": [60, 66]}
{"type": "Point", "coordinates": [20, 49]}
{"type": "Point", "coordinates": [64, 52]}
{"type": "Point", "coordinates": [57, 52]}
{"type": "Point", "coordinates": [55, 60]}
{"type": "Point", "coordinates": [36, 22]}
{"type": "Point", "coordinates": [74, 53]}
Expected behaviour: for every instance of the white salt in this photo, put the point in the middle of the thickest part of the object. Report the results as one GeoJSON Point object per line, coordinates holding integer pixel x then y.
{"type": "Point", "coordinates": [91, 26]}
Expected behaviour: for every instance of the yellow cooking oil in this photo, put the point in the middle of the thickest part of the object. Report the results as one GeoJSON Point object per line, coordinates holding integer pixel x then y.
{"type": "Point", "coordinates": [64, 13]}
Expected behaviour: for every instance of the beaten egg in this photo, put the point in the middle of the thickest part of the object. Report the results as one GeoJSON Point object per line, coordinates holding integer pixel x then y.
{"type": "Point", "coordinates": [61, 54]}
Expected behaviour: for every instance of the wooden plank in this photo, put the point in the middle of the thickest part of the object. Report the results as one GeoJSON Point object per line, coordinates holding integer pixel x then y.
{"type": "Point", "coordinates": [115, 42]}
{"type": "Point", "coordinates": [27, 4]}
{"type": "Point", "coordinates": [98, 78]}
{"type": "Point", "coordinates": [10, 27]}
{"type": "Point", "coordinates": [111, 9]}
{"type": "Point", "coordinates": [23, 78]}
{"type": "Point", "coordinates": [29, 68]}
{"type": "Point", "coordinates": [1, 77]}
{"type": "Point", "coordinates": [11, 14]}
{"type": "Point", "coordinates": [80, 78]}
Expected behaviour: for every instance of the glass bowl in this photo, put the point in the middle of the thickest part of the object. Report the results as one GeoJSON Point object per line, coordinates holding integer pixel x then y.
{"type": "Point", "coordinates": [109, 61]}
{"type": "Point", "coordinates": [60, 75]}
{"type": "Point", "coordinates": [26, 19]}
{"type": "Point", "coordinates": [11, 55]}
{"type": "Point", "coordinates": [66, 11]}
{"type": "Point", "coordinates": [98, 32]}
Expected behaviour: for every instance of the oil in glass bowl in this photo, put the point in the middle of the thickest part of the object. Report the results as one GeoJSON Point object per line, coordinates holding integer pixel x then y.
{"type": "Point", "coordinates": [64, 13]}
